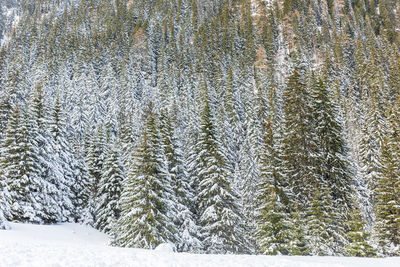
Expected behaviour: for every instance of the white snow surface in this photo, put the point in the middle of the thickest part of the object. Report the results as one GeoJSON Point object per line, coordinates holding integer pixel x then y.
{"type": "Point", "coordinates": [165, 247]}
{"type": "Point", "coordinates": [77, 245]}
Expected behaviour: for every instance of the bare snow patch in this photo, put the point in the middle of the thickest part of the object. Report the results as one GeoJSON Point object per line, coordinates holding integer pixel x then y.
{"type": "Point", "coordinates": [77, 245]}
{"type": "Point", "coordinates": [165, 247]}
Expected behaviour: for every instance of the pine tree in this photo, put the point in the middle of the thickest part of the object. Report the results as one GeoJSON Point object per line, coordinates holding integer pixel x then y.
{"type": "Point", "coordinates": [219, 218]}
{"type": "Point", "coordinates": [319, 218]}
{"type": "Point", "coordinates": [387, 206]}
{"type": "Point", "coordinates": [54, 189]}
{"type": "Point", "coordinates": [370, 148]}
{"type": "Point", "coordinates": [66, 160]}
{"type": "Point", "coordinates": [4, 202]}
{"type": "Point", "coordinates": [358, 236]}
{"type": "Point", "coordinates": [20, 171]}
{"type": "Point", "coordinates": [274, 228]}
{"type": "Point", "coordinates": [249, 176]}
{"type": "Point", "coordinates": [181, 197]}
{"type": "Point", "coordinates": [95, 162]}
{"type": "Point", "coordinates": [145, 221]}
{"type": "Point", "coordinates": [110, 187]}
{"type": "Point", "coordinates": [300, 244]}
{"type": "Point", "coordinates": [335, 166]}
{"type": "Point", "coordinates": [300, 155]}
{"type": "Point", "coordinates": [81, 189]}
{"type": "Point", "coordinates": [373, 123]}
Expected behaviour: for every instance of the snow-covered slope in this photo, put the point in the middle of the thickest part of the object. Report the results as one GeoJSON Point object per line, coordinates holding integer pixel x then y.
{"type": "Point", "coordinates": [76, 245]}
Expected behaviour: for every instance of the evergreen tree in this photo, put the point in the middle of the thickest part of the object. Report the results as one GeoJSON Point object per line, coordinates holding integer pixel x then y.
{"type": "Point", "coordinates": [274, 228]}
{"type": "Point", "coordinates": [66, 160]}
{"type": "Point", "coordinates": [335, 166]}
{"type": "Point", "coordinates": [319, 217]}
{"type": "Point", "coordinates": [387, 206]}
{"type": "Point", "coordinates": [95, 162]}
{"type": "Point", "coordinates": [300, 154]}
{"type": "Point", "coordinates": [145, 221]}
{"type": "Point", "coordinates": [56, 204]}
{"type": "Point", "coordinates": [81, 189]}
{"type": "Point", "coordinates": [249, 174]}
{"type": "Point", "coordinates": [219, 218]}
{"type": "Point", "coordinates": [358, 237]}
{"type": "Point", "coordinates": [300, 245]}
{"type": "Point", "coordinates": [107, 206]}
{"type": "Point", "coordinates": [20, 171]}
{"type": "Point", "coordinates": [4, 201]}
{"type": "Point", "coordinates": [181, 197]}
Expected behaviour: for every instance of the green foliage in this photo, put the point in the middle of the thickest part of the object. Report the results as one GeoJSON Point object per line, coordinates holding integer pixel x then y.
{"type": "Point", "coordinates": [110, 187]}
{"type": "Point", "coordinates": [144, 221]}
{"type": "Point", "coordinates": [387, 206]}
{"type": "Point", "coordinates": [358, 237]}
{"type": "Point", "coordinates": [248, 63]}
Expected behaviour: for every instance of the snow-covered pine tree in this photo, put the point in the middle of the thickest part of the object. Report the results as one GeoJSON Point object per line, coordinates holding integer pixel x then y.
{"type": "Point", "coordinates": [387, 191]}
{"type": "Point", "coordinates": [299, 141]}
{"type": "Point", "coordinates": [274, 226]}
{"type": "Point", "coordinates": [9, 162]}
{"type": "Point", "coordinates": [370, 149]}
{"type": "Point", "coordinates": [56, 204]}
{"type": "Point", "coordinates": [8, 94]}
{"type": "Point", "coordinates": [234, 108]}
{"type": "Point", "coordinates": [3, 221]}
{"type": "Point", "coordinates": [182, 194]}
{"type": "Point", "coordinates": [4, 201]}
{"type": "Point", "coordinates": [319, 216]}
{"type": "Point", "coordinates": [145, 221]}
{"type": "Point", "coordinates": [5, 110]}
{"type": "Point", "coordinates": [335, 167]}
{"type": "Point", "coordinates": [109, 192]}
{"type": "Point", "coordinates": [300, 244]}
{"type": "Point", "coordinates": [333, 164]}
{"type": "Point", "coordinates": [249, 173]}
{"type": "Point", "coordinates": [357, 236]}
{"type": "Point", "coordinates": [20, 171]}
{"type": "Point", "coordinates": [70, 175]}
{"type": "Point", "coordinates": [97, 152]}
{"type": "Point", "coordinates": [81, 188]}
{"type": "Point", "coordinates": [217, 203]}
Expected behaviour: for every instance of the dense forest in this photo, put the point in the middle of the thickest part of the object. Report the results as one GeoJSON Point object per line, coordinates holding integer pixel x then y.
{"type": "Point", "coordinates": [220, 126]}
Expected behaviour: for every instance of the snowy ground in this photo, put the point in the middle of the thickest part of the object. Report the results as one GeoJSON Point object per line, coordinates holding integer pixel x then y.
{"type": "Point", "coordinates": [77, 245]}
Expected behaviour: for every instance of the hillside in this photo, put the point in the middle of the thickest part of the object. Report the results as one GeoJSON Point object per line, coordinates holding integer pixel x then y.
{"type": "Point", "coordinates": [221, 126]}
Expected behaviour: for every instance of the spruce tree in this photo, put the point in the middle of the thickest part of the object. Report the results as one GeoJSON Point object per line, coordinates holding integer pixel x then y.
{"type": "Point", "coordinates": [20, 171]}
{"type": "Point", "coordinates": [249, 176]}
{"type": "Point", "coordinates": [97, 152]}
{"type": "Point", "coordinates": [387, 198]}
{"type": "Point", "coordinates": [319, 217]}
{"type": "Point", "coordinates": [110, 187]}
{"type": "Point", "coordinates": [300, 155]}
{"type": "Point", "coordinates": [300, 244]}
{"type": "Point", "coordinates": [274, 231]}
{"type": "Point", "coordinates": [219, 217]}
{"type": "Point", "coordinates": [274, 226]}
{"type": "Point", "coordinates": [56, 204]}
{"type": "Point", "coordinates": [145, 221]}
{"type": "Point", "coordinates": [335, 166]}
{"type": "Point", "coordinates": [66, 160]}
{"type": "Point", "coordinates": [181, 197]}
{"type": "Point", "coordinates": [357, 236]}
{"type": "Point", "coordinates": [332, 163]}
{"type": "Point", "coordinates": [4, 201]}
